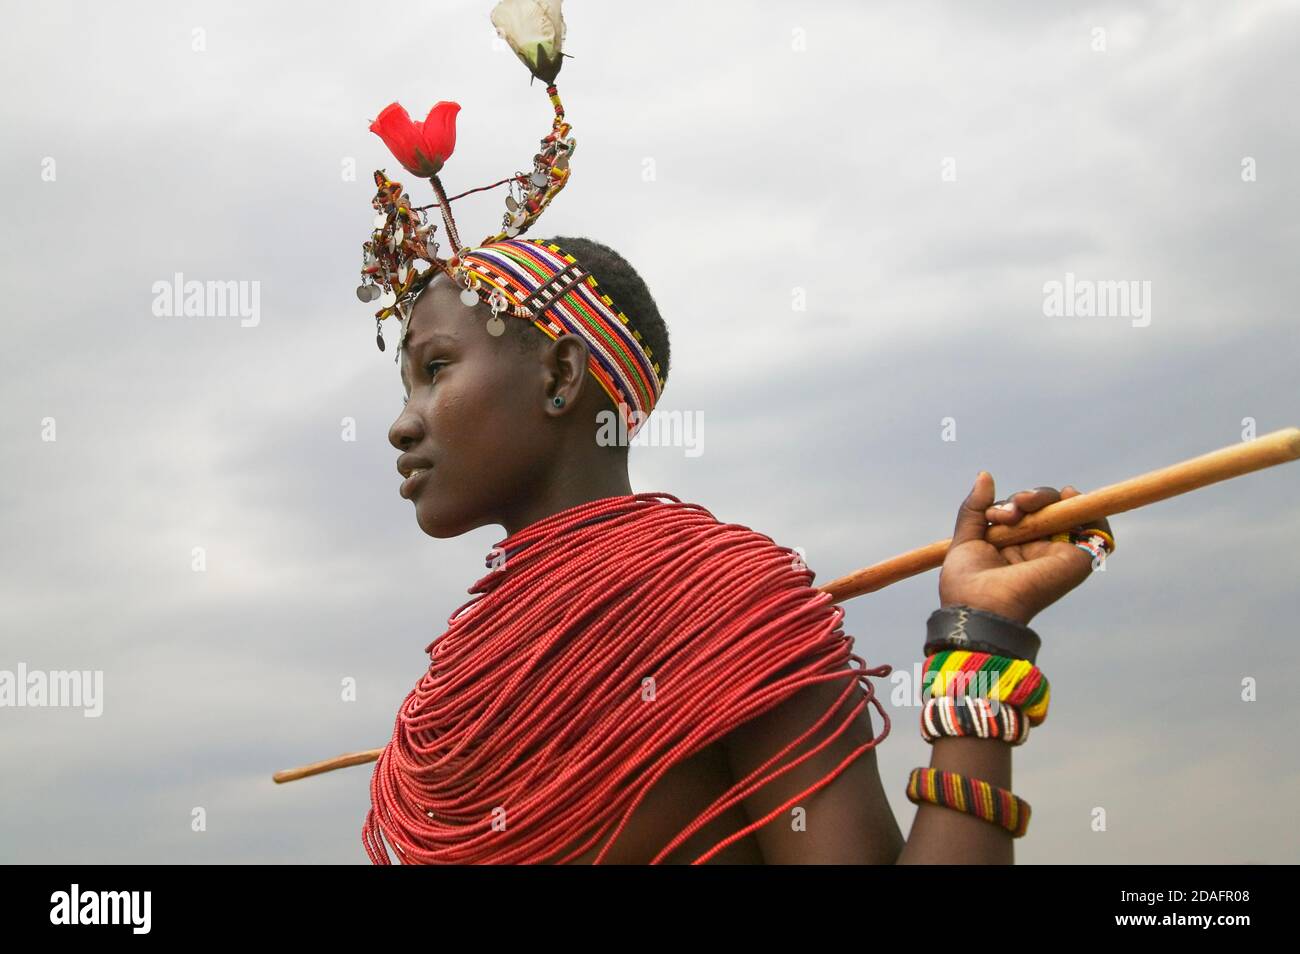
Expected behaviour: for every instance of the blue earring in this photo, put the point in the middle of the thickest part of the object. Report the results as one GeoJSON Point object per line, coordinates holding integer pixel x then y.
{"type": "Point", "coordinates": [557, 401]}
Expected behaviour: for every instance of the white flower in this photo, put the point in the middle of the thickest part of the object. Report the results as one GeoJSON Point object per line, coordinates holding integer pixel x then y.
{"type": "Point", "coordinates": [535, 31]}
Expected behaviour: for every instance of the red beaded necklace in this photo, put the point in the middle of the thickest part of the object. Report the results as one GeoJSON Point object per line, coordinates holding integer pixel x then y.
{"type": "Point", "coordinates": [616, 639]}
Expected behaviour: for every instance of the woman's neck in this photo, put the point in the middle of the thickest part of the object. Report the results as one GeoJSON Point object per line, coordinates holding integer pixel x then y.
{"type": "Point", "coordinates": [571, 491]}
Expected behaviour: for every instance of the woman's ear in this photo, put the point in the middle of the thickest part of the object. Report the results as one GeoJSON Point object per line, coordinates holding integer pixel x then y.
{"type": "Point", "coordinates": [566, 372]}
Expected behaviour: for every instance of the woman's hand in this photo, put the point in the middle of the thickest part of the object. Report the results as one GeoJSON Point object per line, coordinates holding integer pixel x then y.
{"type": "Point", "coordinates": [1017, 581]}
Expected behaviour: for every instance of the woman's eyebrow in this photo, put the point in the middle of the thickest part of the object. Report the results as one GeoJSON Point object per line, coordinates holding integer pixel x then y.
{"type": "Point", "coordinates": [433, 338]}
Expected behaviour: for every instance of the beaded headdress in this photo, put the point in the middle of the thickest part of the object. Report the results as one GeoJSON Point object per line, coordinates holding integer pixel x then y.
{"type": "Point", "coordinates": [528, 279]}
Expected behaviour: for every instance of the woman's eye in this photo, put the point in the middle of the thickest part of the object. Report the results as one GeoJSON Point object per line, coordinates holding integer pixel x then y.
{"type": "Point", "coordinates": [431, 369]}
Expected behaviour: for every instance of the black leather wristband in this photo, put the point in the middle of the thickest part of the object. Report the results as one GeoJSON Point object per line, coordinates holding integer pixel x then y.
{"type": "Point", "coordinates": [977, 630]}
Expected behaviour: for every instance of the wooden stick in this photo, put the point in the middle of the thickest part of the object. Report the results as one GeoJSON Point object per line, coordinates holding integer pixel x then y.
{"type": "Point", "coordinates": [1231, 461]}
{"type": "Point", "coordinates": [341, 761]}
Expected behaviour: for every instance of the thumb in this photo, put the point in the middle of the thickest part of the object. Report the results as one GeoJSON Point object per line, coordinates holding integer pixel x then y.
{"type": "Point", "coordinates": [971, 524]}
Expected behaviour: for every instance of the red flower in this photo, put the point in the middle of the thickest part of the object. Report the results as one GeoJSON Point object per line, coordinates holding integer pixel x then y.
{"type": "Point", "coordinates": [421, 148]}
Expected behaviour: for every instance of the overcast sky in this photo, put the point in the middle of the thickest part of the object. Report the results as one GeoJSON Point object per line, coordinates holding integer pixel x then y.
{"type": "Point", "coordinates": [847, 212]}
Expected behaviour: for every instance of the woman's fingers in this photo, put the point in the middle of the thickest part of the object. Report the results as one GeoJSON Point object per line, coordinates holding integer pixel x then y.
{"type": "Point", "coordinates": [971, 523]}
{"type": "Point", "coordinates": [1011, 509]}
{"type": "Point", "coordinates": [1039, 501]}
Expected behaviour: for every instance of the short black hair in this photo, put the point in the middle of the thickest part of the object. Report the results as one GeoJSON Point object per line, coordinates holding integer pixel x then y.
{"type": "Point", "coordinates": [616, 277]}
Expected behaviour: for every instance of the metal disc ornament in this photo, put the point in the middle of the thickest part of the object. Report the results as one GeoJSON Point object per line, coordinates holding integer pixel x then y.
{"type": "Point", "coordinates": [495, 326]}
{"type": "Point", "coordinates": [363, 292]}
{"type": "Point", "coordinates": [388, 299]}
{"type": "Point", "coordinates": [511, 204]}
{"type": "Point", "coordinates": [539, 178]}
{"type": "Point", "coordinates": [469, 298]}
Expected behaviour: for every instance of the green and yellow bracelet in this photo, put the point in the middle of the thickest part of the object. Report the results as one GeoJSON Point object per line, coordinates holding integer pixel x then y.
{"type": "Point", "coordinates": [1016, 682]}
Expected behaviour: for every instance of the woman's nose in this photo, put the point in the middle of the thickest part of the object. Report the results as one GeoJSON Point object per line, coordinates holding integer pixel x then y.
{"type": "Point", "coordinates": [406, 430]}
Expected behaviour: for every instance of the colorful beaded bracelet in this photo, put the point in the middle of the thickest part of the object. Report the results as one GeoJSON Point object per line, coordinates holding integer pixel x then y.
{"type": "Point", "coordinates": [1016, 682]}
{"type": "Point", "coordinates": [973, 716]}
{"type": "Point", "coordinates": [1096, 543]}
{"type": "Point", "coordinates": [973, 796]}
{"type": "Point", "coordinates": [1110, 541]}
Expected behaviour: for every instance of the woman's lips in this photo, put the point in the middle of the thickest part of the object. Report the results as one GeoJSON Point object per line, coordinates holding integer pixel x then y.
{"type": "Point", "coordinates": [410, 484]}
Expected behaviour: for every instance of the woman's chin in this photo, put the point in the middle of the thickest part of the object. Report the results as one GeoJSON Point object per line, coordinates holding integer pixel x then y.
{"type": "Point", "coordinates": [430, 525]}
{"type": "Point", "coordinates": [436, 522]}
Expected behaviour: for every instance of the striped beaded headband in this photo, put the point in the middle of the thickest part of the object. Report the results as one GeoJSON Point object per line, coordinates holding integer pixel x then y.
{"type": "Point", "coordinates": [539, 282]}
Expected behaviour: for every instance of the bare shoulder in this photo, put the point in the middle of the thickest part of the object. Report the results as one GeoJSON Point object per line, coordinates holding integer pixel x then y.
{"type": "Point", "coordinates": [676, 800]}
{"type": "Point", "coordinates": [846, 821]}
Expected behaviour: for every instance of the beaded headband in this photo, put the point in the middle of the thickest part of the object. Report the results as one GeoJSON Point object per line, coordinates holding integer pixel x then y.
{"type": "Point", "coordinates": [522, 278]}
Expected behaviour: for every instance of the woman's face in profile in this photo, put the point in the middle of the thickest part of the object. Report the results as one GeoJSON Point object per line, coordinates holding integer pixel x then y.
{"type": "Point", "coordinates": [473, 429]}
